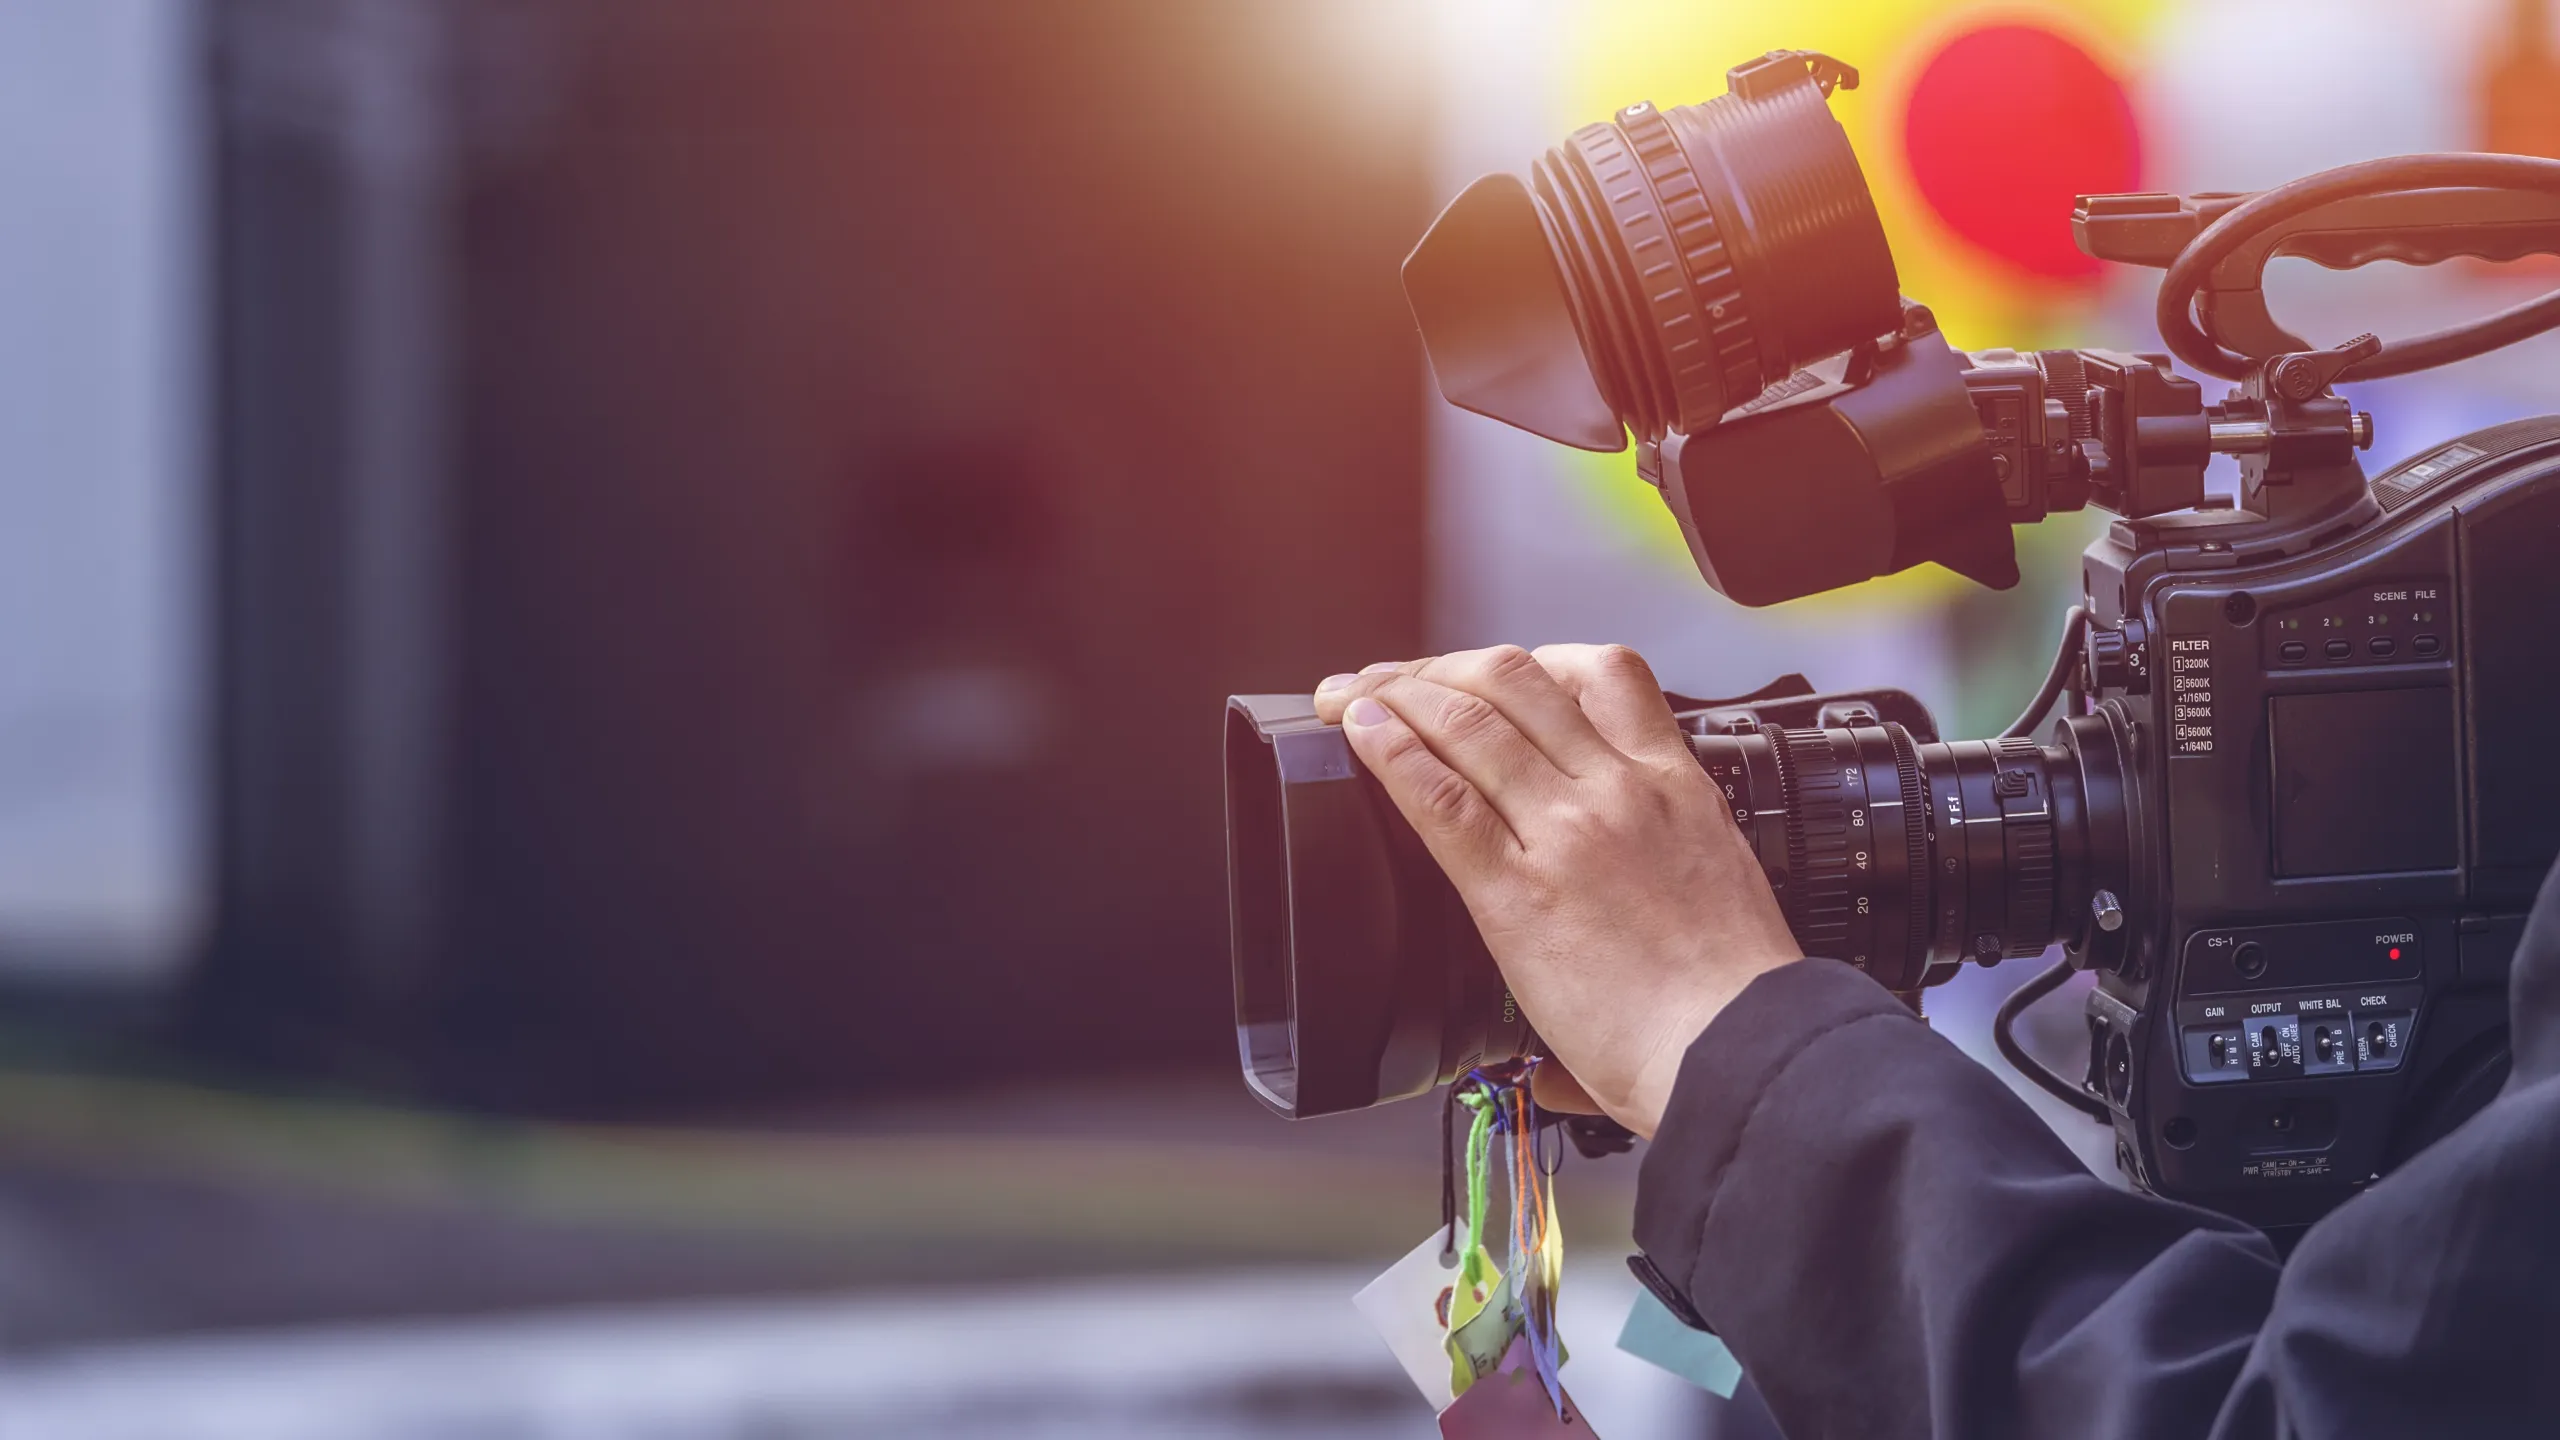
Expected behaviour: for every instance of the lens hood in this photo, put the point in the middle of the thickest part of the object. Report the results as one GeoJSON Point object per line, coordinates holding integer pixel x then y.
{"type": "Point", "coordinates": [1359, 975]}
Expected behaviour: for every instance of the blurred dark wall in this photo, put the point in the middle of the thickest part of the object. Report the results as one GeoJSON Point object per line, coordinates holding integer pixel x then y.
{"type": "Point", "coordinates": [738, 520]}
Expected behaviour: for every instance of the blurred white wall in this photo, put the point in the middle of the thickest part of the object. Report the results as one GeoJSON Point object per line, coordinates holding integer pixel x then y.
{"type": "Point", "coordinates": [2359, 79]}
{"type": "Point", "coordinates": [101, 853]}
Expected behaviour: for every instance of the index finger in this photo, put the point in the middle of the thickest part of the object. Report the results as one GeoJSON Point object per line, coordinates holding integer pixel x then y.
{"type": "Point", "coordinates": [1461, 829]}
{"type": "Point", "coordinates": [1506, 677]}
{"type": "Point", "coordinates": [1336, 691]}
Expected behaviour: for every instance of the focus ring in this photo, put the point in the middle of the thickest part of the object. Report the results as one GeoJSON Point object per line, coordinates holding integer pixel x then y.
{"type": "Point", "coordinates": [1687, 276]}
{"type": "Point", "coordinates": [1817, 899]}
{"type": "Point", "coordinates": [1915, 840]}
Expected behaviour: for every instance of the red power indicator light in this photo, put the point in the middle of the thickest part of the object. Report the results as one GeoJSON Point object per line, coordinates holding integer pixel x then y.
{"type": "Point", "coordinates": [2395, 952]}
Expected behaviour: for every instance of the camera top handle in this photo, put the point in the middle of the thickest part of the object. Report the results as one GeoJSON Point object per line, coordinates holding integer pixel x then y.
{"type": "Point", "coordinates": [2416, 209]}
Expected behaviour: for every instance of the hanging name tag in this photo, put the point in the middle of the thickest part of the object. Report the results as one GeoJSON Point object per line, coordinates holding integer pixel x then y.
{"type": "Point", "coordinates": [1509, 1403]}
{"type": "Point", "coordinates": [1654, 1335]}
{"type": "Point", "coordinates": [1478, 1345]}
{"type": "Point", "coordinates": [1459, 1323]}
{"type": "Point", "coordinates": [1406, 1306]}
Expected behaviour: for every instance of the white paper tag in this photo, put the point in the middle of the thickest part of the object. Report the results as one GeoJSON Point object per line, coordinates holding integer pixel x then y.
{"type": "Point", "coordinates": [1404, 1306]}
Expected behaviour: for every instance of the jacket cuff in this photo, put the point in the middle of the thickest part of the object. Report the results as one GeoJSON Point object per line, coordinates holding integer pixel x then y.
{"type": "Point", "coordinates": [1727, 1069]}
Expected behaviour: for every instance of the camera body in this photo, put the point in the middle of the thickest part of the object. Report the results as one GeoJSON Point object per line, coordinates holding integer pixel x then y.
{"type": "Point", "coordinates": [2292, 812]}
{"type": "Point", "coordinates": [2293, 820]}
{"type": "Point", "coordinates": [2338, 817]}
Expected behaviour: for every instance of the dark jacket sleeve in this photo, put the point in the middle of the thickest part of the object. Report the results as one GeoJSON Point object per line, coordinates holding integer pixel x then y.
{"type": "Point", "coordinates": [1893, 1244]}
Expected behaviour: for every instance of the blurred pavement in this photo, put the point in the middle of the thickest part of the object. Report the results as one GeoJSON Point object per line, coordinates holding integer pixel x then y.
{"type": "Point", "coordinates": [1231, 1354]}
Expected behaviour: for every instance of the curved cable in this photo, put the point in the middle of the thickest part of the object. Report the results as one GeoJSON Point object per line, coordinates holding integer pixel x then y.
{"type": "Point", "coordinates": [2028, 1065]}
{"type": "Point", "coordinates": [2396, 174]}
{"type": "Point", "coordinates": [2074, 622]}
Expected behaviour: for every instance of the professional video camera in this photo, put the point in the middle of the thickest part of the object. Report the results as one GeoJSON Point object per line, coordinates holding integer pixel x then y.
{"type": "Point", "coordinates": [2295, 807]}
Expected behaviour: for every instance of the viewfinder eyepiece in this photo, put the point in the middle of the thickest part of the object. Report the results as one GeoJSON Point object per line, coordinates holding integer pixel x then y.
{"type": "Point", "coordinates": [1662, 268]}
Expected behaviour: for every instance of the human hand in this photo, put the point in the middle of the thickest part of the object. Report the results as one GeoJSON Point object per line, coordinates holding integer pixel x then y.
{"type": "Point", "coordinates": [1601, 864]}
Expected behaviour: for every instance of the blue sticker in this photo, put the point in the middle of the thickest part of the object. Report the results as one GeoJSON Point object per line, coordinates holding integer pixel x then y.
{"type": "Point", "coordinates": [1654, 1335]}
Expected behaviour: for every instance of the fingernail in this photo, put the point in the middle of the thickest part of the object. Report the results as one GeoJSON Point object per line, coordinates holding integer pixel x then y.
{"type": "Point", "coordinates": [1381, 665]}
{"type": "Point", "coordinates": [1365, 711]}
{"type": "Point", "coordinates": [1334, 682]}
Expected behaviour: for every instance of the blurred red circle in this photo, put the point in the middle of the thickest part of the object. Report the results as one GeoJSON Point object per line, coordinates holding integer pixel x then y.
{"type": "Point", "coordinates": [2005, 126]}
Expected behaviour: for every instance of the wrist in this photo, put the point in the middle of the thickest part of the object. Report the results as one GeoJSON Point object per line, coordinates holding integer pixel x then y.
{"type": "Point", "coordinates": [1649, 1094]}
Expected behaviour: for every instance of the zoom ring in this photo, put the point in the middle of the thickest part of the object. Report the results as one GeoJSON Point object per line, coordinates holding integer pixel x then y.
{"type": "Point", "coordinates": [1817, 898]}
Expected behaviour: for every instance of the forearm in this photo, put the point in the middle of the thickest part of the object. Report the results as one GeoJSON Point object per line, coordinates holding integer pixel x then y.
{"type": "Point", "coordinates": [1893, 1244]}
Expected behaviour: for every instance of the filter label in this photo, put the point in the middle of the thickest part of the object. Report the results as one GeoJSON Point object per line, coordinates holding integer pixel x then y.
{"type": "Point", "coordinates": [2191, 729]}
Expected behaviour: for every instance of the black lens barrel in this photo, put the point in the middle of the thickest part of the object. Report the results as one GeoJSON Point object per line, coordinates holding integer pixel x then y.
{"type": "Point", "coordinates": [1810, 249]}
{"type": "Point", "coordinates": [1904, 858]}
{"type": "Point", "coordinates": [1360, 977]}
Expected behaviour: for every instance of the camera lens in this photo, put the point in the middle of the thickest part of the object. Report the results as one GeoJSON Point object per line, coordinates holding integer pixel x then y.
{"type": "Point", "coordinates": [1903, 858]}
{"type": "Point", "coordinates": [1661, 268]}
{"type": "Point", "coordinates": [1361, 978]}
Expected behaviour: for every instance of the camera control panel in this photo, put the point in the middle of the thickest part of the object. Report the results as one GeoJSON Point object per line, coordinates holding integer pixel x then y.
{"type": "Point", "coordinates": [2282, 1001]}
{"type": "Point", "coordinates": [2398, 622]}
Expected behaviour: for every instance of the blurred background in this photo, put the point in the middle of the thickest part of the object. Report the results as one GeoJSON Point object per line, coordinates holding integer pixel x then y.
{"type": "Point", "coordinates": [612, 616]}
